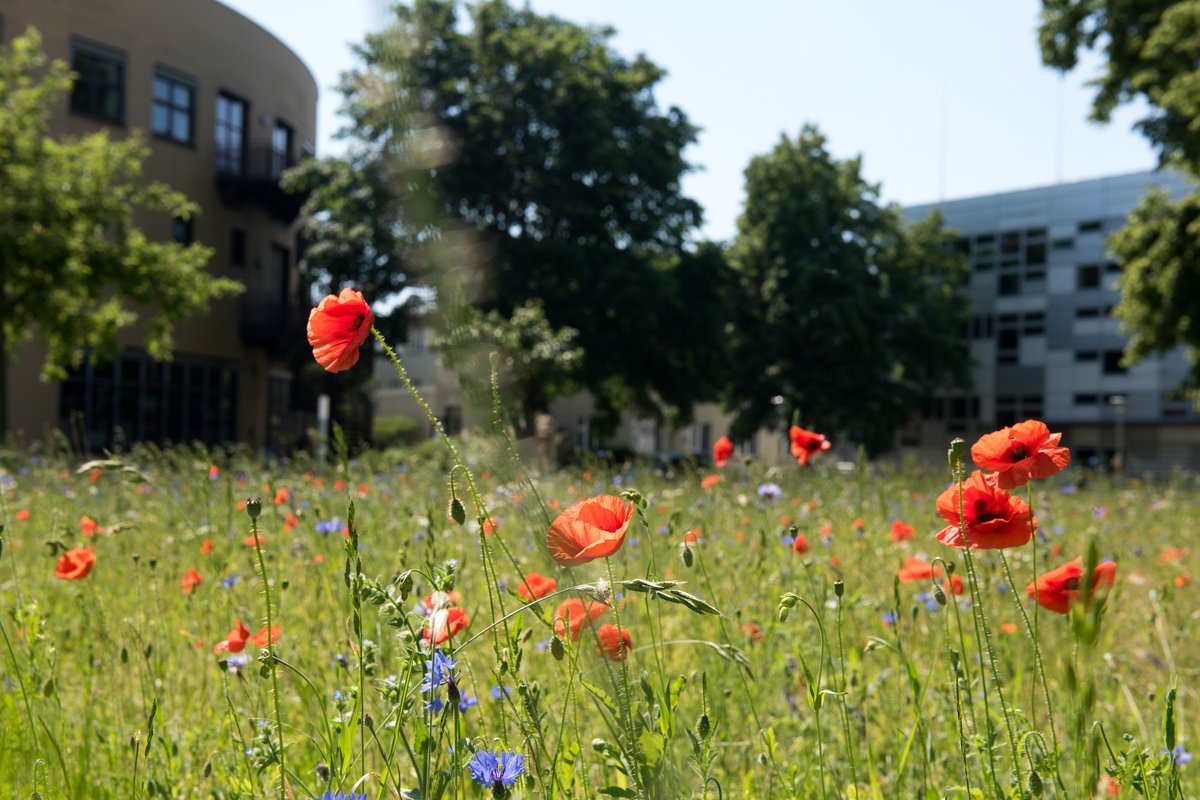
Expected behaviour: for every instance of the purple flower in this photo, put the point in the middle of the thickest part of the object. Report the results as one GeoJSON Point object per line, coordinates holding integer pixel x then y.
{"type": "Point", "coordinates": [496, 770]}
{"type": "Point", "coordinates": [771, 491]}
{"type": "Point", "coordinates": [329, 526]}
{"type": "Point", "coordinates": [229, 582]}
{"type": "Point", "coordinates": [1180, 756]}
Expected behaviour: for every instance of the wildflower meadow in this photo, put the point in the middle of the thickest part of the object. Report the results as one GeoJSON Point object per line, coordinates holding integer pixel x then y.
{"type": "Point", "coordinates": [445, 621]}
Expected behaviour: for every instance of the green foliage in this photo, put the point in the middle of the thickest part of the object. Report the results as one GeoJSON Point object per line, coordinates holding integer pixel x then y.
{"type": "Point", "coordinates": [73, 264]}
{"type": "Point", "coordinates": [849, 316]}
{"type": "Point", "coordinates": [529, 148]}
{"type": "Point", "coordinates": [1151, 50]}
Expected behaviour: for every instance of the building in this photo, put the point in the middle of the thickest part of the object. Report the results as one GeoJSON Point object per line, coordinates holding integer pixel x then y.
{"type": "Point", "coordinates": [225, 107]}
{"type": "Point", "coordinates": [1042, 288]}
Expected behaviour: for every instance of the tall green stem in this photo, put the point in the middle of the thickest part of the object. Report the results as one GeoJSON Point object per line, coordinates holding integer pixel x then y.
{"type": "Point", "coordinates": [270, 647]}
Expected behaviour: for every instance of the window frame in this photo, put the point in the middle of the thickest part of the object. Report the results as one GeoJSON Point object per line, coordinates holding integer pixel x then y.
{"type": "Point", "coordinates": [174, 78]}
{"type": "Point", "coordinates": [86, 82]}
{"type": "Point", "coordinates": [222, 163]}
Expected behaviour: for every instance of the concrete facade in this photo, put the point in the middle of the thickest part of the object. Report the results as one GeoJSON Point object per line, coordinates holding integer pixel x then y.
{"type": "Point", "coordinates": [225, 107]}
{"type": "Point", "coordinates": [1042, 288]}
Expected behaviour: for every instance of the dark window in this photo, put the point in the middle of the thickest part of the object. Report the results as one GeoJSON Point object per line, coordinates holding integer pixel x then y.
{"type": "Point", "coordinates": [237, 246]}
{"type": "Point", "coordinates": [1035, 275]}
{"type": "Point", "coordinates": [1112, 363]}
{"type": "Point", "coordinates": [281, 148]}
{"type": "Point", "coordinates": [173, 113]}
{"type": "Point", "coordinates": [1113, 267]}
{"type": "Point", "coordinates": [1035, 253]}
{"type": "Point", "coordinates": [963, 245]}
{"type": "Point", "coordinates": [983, 266]}
{"type": "Point", "coordinates": [1086, 399]}
{"type": "Point", "coordinates": [1009, 263]}
{"type": "Point", "coordinates": [986, 238]}
{"type": "Point", "coordinates": [1010, 284]}
{"type": "Point", "coordinates": [1091, 226]}
{"type": "Point", "coordinates": [1010, 243]}
{"type": "Point", "coordinates": [99, 91]}
{"type": "Point", "coordinates": [1035, 323]}
{"type": "Point", "coordinates": [1062, 244]}
{"type": "Point", "coordinates": [231, 134]}
{"type": "Point", "coordinates": [181, 230]}
{"type": "Point", "coordinates": [452, 420]}
{"type": "Point", "coordinates": [1086, 355]}
{"type": "Point", "coordinates": [1035, 233]}
{"type": "Point", "coordinates": [1008, 339]}
{"type": "Point", "coordinates": [1088, 276]}
{"type": "Point", "coordinates": [1086, 313]}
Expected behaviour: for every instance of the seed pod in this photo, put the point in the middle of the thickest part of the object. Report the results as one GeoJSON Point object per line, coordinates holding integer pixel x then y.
{"type": "Point", "coordinates": [254, 507]}
{"type": "Point", "coordinates": [458, 512]}
{"type": "Point", "coordinates": [839, 588]}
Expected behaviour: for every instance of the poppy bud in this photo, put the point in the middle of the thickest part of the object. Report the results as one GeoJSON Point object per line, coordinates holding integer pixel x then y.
{"type": "Point", "coordinates": [1033, 785]}
{"type": "Point", "coordinates": [955, 455]}
{"type": "Point", "coordinates": [685, 554]}
{"type": "Point", "coordinates": [556, 649]}
{"type": "Point", "coordinates": [783, 612]}
{"type": "Point", "coordinates": [405, 584]}
{"type": "Point", "coordinates": [254, 507]}
{"type": "Point", "coordinates": [704, 726]}
{"type": "Point", "coordinates": [939, 595]}
{"type": "Point", "coordinates": [839, 588]}
{"type": "Point", "coordinates": [949, 567]}
{"type": "Point", "coordinates": [458, 512]}
{"type": "Point", "coordinates": [370, 722]}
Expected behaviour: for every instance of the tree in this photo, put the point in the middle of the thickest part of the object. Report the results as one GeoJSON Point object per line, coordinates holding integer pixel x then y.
{"type": "Point", "coordinates": [72, 261]}
{"type": "Point", "coordinates": [1152, 51]}
{"type": "Point", "coordinates": [532, 133]}
{"type": "Point", "coordinates": [850, 318]}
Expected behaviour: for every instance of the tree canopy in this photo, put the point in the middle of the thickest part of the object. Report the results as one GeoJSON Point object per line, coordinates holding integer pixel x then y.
{"type": "Point", "coordinates": [1151, 51]}
{"type": "Point", "coordinates": [849, 318]}
{"type": "Point", "coordinates": [534, 134]}
{"type": "Point", "coordinates": [72, 262]}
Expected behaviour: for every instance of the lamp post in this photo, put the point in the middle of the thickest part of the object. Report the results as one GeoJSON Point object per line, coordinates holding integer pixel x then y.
{"type": "Point", "coordinates": [1118, 403]}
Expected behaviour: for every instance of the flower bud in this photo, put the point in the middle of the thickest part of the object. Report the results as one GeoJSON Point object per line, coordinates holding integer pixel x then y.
{"type": "Point", "coordinates": [458, 511]}
{"type": "Point", "coordinates": [254, 507]}
{"type": "Point", "coordinates": [955, 455]}
{"type": "Point", "coordinates": [939, 595]}
{"type": "Point", "coordinates": [556, 649]}
{"type": "Point", "coordinates": [839, 588]}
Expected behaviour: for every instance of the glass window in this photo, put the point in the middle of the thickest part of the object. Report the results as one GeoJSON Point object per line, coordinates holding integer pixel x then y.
{"type": "Point", "coordinates": [237, 246]}
{"type": "Point", "coordinates": [1062, 244]}
{"type": "Point", "coordinates": [1087, 313]}
{"type": "Point", "coordinates": [181, 230]}
{"type": "Point", "coordinates": [1086, 355]}
{"type": "Point", "coordinates": [1112, 363]}
{"type": "Point", "coordinates": [1010, 243]}
{"type": "Point", "coordinates": [1035, 253]}
{"type": "Point", "coordinates": [1035, 323]}
{"type": "Point", "coordinates": [281, 148]}
{"type": "Point", "coordinates": [1088, 276]}
{"type": "Point", "coordinates": [173, 112]}
{"type": "Point", "coordinates": [231, 134]}
{"type": "Point", "coordinates": [99, 91]}
{"type": "Point", "coordinates": [1010, 284]}
{"type": "Point", "coordinates": [1085, 399]}
{"type": "Point", "coordinates": [1091, 226]}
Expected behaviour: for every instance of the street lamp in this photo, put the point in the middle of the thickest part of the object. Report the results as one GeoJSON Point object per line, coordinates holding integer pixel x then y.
{"type": "Point", "coordinates": [1118, 403]}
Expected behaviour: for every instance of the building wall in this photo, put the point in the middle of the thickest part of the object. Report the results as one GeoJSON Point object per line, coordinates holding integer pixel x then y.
{"type": "Point", "coordinates": [214, 50]}
{"type": "Point", "coordinates": [1042, 287]}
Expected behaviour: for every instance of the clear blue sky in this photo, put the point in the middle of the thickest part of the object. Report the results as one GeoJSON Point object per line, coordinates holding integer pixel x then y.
{"type": "Point", "coordinates": [942, 100]}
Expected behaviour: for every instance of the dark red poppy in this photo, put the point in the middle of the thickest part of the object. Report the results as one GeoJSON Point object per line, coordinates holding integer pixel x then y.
{"type": "Point", "coordinates": [444, 623]}
{"type": "Point", "coordinates": [722, 451]}
{"type": "Point", "coordinates": [613, 643]}
{"type": "Point", "coordinates": [806, 444]}
{"type": "Point", "coordinates": [534, 586]}
{"type": "Point", "coordinates": [235, 642]}
{"type": "Point", "coordinates": [1059, 588]}
{"type": "Point", "coordinates": [75, 563]}
{"type": "Point", "coordinates": [337, 327]}
{"type": "Point", "coordinates": [994, 518]}
{"type": "Point", "coordinates": [588, 530]}
{"type": "Point", "coordinates": [1024, 451]}
{"type": "Point", "coordinates": [573, 613]}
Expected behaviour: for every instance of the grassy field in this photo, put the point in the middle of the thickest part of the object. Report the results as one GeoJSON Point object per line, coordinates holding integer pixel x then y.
{"type": "Point", "coordinates": [821, 675]}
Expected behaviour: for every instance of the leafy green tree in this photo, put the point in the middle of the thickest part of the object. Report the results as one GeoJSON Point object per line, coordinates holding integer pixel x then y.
{"type": "Point", "coordinates": [850, 318]}
{"type": "Point", "coordinates": [533, 134]}
{"type": "Point", "coordinates": [72, 261]}
{"type": "Point", "coordinates": [1151, 51]}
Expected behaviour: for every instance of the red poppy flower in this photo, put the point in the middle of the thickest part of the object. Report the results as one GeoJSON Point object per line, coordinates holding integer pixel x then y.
{"type": "Point", "coordinates": [1058, 588]}
{"type": "Point", "coordinates": [337, 327]}
{"type": "Point", "coordinates": [190, 579]}
{"type": "Point", "coordinates": [534, 586]}
{"type": "Point", "coordinates": [694, 535]}
{"type": "Point", "coordinates": [206, 547]}
{"type": "Point", "coordinates": [613, 643]}
{"type": "Point", "coordinates": [858, 524]}
{"type": "Point", "coordinates": [1171, 554]}
{"type": "Point", "coordinates": [75, 563]}
{"type": "Point", "coordinates": [916, 569]}
{"type": "Point", "coordinates": [1008, 627]}
{"type": "Point", "coordinates": [574, 613]}
{"type": "Point", "coordinates": [800, 545]}
{"type": "Point", "coordinates": [722, 451]}
{"type": "Point", "coordinates": [954, 585]}
{"type": "Point", "coordinates": [444, 623]}
{"type": "Point", "coordinates": [588, 530]}
{"type": "Point", "coordinates": [88, 526]}
{"type": "Point", "coordinates": [710, 481]}
{"type": "Point", "coordinates": [1017, 454]}
{"type": "Point", "coordinates": [994, 518]}
{"type": "Point", "coordinates": [281, 496]}
{"type": "Point", "coordinates": [290, 521]}
{"type": "Point", "coordinates": [489, 526]}
{"type": "Point", "coordinates": [23, 514]}
{"type": "Point", "coordinates": [753, 631]}
{"type": "Point", "coordinates": [251, 541]}
{"type": "Point", "coordinates": [260, 638]}
{"type": "Point", "coordinates": [901, 532]}
{"type": "Point", "coordinates": [235, 642]}
{"type": "Point", "coordinates": [806, 444]}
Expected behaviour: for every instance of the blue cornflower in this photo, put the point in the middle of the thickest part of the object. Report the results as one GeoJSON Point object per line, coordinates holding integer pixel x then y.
{"type": "Point", "coordinates": [229, 582]}
{"type": "Point", "coordinates": [495, 691]}
{"type": "Point", "coordinates": [466, 702]}
{"type": "Point", "coordinates": [1180, 756]}
{"type": "Point", "coordinates": [772, 491]}
{"type": "Point", "coordinates": [438, 671]}
{"type": "Point", "coordinates": [236, 661]}
{"type": "Point", "coordinates": [497, 770]}
{"type": "Point", "coordinates": [931, 603]}
{"type": "Point", "coordinates": [329, 526]}
{"type": "Point", "coordinates": [890, 617]}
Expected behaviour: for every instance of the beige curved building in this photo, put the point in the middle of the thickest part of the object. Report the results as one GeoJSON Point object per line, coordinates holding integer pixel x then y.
{"type": "Point", "coordinates": [225, 108]}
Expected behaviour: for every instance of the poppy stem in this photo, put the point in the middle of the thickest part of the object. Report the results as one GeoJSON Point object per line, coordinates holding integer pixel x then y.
{"type": "Point", "coordinates": [262, 571]}
{"type": "Point", "coordinates": [626, 716]}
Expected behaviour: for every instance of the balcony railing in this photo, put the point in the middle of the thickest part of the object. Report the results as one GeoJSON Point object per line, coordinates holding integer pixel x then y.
{"type": "Point", "coordinates": [251, 175]}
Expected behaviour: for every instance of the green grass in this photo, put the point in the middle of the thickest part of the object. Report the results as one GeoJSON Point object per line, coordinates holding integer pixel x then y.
{"type": "Point", "coordinates": [705, 706]}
